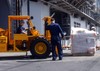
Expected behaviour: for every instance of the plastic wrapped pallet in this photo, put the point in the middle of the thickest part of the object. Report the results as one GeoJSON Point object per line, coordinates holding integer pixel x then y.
{"type": "Point", "coordinates": [83, 43]}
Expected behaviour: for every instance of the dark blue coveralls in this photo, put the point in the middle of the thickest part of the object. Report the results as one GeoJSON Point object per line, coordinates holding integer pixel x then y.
{"type": "Point", "coordinates": [55, 30]}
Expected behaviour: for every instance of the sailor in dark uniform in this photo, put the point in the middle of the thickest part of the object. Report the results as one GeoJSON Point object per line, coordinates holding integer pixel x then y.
{"type": "Point", "coordinates": [55, 30]}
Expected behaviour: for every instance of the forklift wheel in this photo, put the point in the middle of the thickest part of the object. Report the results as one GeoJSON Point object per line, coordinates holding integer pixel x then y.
{"type": "Point", "coordinates": [40, 48]}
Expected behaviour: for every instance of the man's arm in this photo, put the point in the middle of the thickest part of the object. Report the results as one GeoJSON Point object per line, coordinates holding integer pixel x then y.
{"type": "Point", "coordinates": [61, 31]}
{"type": "Point", "coordinates": [23, 30]}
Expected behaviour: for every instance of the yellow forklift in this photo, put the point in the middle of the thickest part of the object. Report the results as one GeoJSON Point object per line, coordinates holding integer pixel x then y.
{"type": "Point", "coordinates": [39, 45]}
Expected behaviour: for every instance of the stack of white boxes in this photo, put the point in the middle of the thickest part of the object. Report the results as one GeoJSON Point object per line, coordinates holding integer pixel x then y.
{"type": "Point", "coordinates": [84, 42]}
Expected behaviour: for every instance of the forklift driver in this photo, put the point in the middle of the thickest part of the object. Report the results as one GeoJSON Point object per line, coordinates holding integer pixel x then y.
{"type": "Point", "coordinates": [21, 29]}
